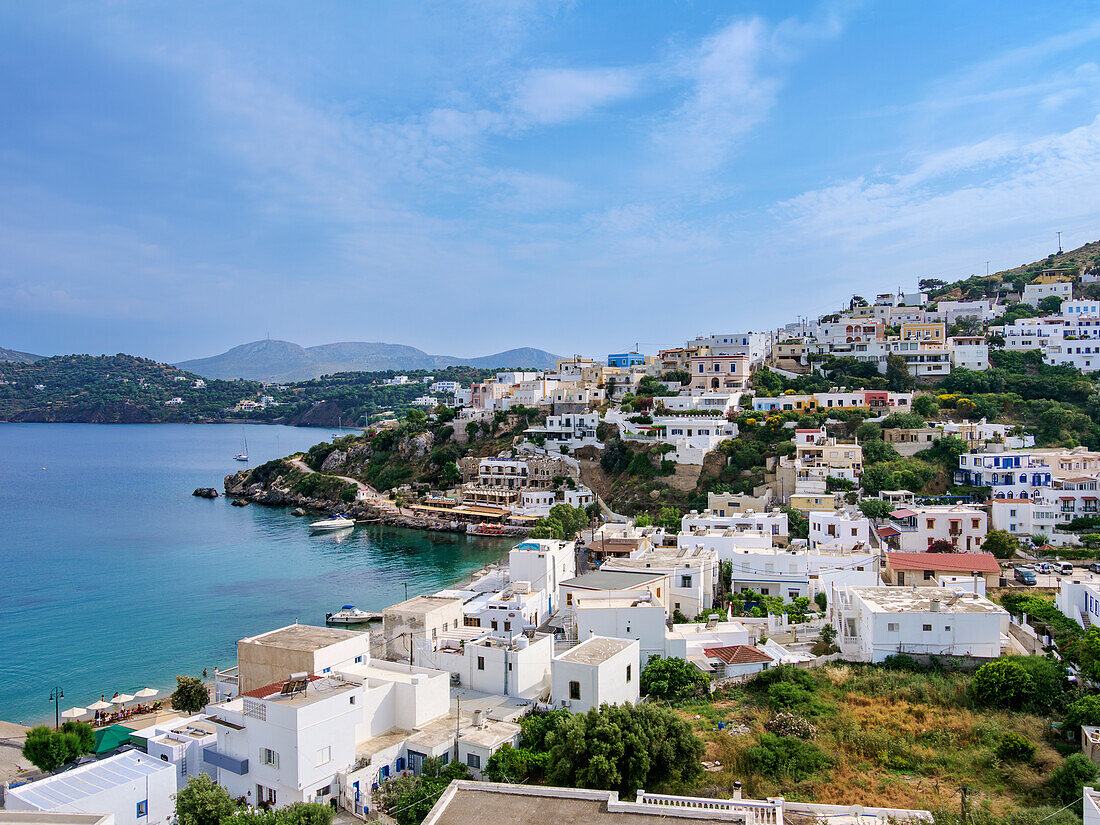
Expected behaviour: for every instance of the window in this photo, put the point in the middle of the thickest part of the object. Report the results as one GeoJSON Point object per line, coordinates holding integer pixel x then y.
{"type": "Point", "coordinates": [473, 760]}
{"type": "Point", "coordinates": [269, 757]}
{"type": "Point", "coordinates": [321, 791]}
{"type": "Point", "coordinates": [975, 523]}
{"type": "Point", "coordinates": [892, 627]}
{"type": "Point", "coordinates": [324, 756]}
{"type": "Point", "coordinates": [507, 625]}
{"type": "Point", "coordinates": [685, 581]}
{"type": "Point", "coordinates": [628, 673]}
{"type": "Point", "coordinates": [481, 663]}
{"type": "Point", "coordinates": [927, 628]}
{"type": "Point", "coordinates": [494, 623]}
{"type": "Point", "coordinates": [947, 627]}
{"type": "Point", "coordinates": [358, 660]}
{"type": "Point", "coordinates": [574, 690]}
{"type": "Point", "coordinates": [351, 700]}
{"type": "Point", "coordinates": [143, 808]}
{"type": "Point", "coordinates": [569, 598]}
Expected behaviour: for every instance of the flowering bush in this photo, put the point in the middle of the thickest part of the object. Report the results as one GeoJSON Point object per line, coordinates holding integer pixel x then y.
{"type": "Point", "coordinates": [789, 724]}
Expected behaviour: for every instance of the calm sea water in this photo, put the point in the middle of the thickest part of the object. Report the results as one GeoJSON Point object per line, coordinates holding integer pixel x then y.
{"type": "Point", "coordinates": [113, 577]}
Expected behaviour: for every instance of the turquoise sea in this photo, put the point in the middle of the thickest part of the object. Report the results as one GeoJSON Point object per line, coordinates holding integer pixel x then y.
{"type": "Point", "coordinates": [113, 577]}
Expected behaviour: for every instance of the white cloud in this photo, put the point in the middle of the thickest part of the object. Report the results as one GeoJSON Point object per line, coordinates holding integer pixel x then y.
{"type": "Point", "coordinates": [735, 76]}
{"type": "Point", "coordinates": [548, 96]}
{"type": "Point", "coordinates": [1000, 184]}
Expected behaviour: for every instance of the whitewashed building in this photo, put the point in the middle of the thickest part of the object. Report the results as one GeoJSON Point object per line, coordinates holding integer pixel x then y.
{"type": "Point", "coordinates": [132, 787]}
{"type": "Point", "coordinates": [518, 667]}
{"type": "Point", "coordinates": [624, 615]}
{"type": "Point", "coordinates": [838, 530]}
{"type": "Point", "coordinates": [876, 622]}
{"type": "Point", "coordinates": [597, 671]}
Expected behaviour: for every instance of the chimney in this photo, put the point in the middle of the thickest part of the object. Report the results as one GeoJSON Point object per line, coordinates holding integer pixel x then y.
{"type": "Point", "coordinates": [935, 606]}
{"type": "Point", "coordinates": [591, 633]}
{"type": "Point", "coordinates": [736, 790]}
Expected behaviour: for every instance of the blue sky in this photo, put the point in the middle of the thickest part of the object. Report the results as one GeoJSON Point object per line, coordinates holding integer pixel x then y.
{"type": "Point", "coordinates": [177, 178]}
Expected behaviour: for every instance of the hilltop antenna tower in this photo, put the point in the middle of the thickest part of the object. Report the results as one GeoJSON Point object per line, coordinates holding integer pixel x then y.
{"type": "Point", "coordinates": [1059, 243]}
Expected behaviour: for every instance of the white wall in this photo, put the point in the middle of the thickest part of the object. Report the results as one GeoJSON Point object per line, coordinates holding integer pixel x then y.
{"type": "Point", "coordinates": [157, 789]}
{"type": "Point", "coordinates": [644, 623]}
{"type": "Point", "coordinates": [603, 683]}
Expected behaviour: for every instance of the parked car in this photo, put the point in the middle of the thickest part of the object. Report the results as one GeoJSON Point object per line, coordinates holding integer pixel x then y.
{"type": "Point", "coordinates": [1044, 567]}
{"type": "Point", "coordinates": [1095, 567]}
{"type": "Point", "coordinates": [1025, 576]}
{"type": "Point", "coordinates": [1066, 569]}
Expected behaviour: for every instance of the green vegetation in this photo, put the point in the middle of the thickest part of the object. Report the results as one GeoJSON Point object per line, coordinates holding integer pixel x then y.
{"type": "Point", "coordinates": [112, 389]}
{"type": "Point", "coordinates": [671, 679]}
{"type": "Point", "coordinates": [620, 747]}
{"type": "Point", "coordinates": [897, 735]}
{"type": "Point", "coordinates": [204, 802]}
{"type": "Point", "coordinates": [564, 522]}
{"type": "Point", "coordinates": [127, 389]}
{"type": "Point", "coordinates": [190, 695]}
{"type": "Point", "coordinates": [409, 798]}
{"type": "Point", "coordinates": [48, 749]}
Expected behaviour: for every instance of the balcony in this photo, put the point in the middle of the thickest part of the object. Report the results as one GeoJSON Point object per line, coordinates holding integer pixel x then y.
{"type": "Point", "coordinates": [225, 762]}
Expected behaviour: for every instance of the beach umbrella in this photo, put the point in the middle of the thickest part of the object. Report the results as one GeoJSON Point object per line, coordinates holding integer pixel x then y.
{"type": "Point", "coordinates": [74, 713]}
{"type": "Point", "coordinates": [100, 705]}
{"type": "Point", "coordinates": [122, 699]}
{"type": "Point", "coordinates": [146, 693]}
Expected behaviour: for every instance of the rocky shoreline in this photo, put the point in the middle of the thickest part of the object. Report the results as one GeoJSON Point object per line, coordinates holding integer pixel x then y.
{"type": "Point", "coordinates": [278, 495]}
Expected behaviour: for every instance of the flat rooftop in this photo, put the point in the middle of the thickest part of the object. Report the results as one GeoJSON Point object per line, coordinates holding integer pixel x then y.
{"type": "Point", "coordinates": [919, 600]}
{"type": "Point", "coordinates": [595, 600]}
{"type": "Point", "coordinates": [421, 604]}
{"type": "Point", "coordinates": [595, 650]}
{"type": "Point", "coordinates": [72, 786]}
{"type": "Point", "coordinates": [302, 637]}
{"type": "Point", "coordinates": [611, 580]}
{"type": "Point", "coordinates": [465, 801]}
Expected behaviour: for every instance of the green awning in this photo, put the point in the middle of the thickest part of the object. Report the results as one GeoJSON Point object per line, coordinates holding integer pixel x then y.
{"type": "Point", "coordinates": [112, 738]}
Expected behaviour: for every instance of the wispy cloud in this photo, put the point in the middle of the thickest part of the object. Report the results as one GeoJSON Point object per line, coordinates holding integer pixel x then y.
{"type": "Point", "coordinates": [997, 184]}
{"type": "Point", "coordinates": [734, 78]}
{"type": "Point", "coordinates": [548, 96]}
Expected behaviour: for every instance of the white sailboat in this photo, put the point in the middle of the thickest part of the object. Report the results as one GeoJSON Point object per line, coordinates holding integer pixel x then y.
{"type": "Point", "coordinates": [243, 454]}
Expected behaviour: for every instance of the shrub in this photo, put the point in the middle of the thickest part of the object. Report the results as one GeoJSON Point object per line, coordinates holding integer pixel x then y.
{"type": "Point", "coordinates": [1003, 683]}
{"type": "Point", "coordinates": [785, 757]}
{"type": "Point", "coordinates": [1084, 711]}
{"type": "Point", "coordinates": [1050, 681]}
{"type": "Point", "coordinates": [671, 679]}
{"type": "Point", "coordinates": [899, 661]}
{"type": "Point", "coordinates": [1015, 748]}
{"type": "Point", "coordinates": [1069, 779]}
{"type": "Point", "coordinates": [789, 724]}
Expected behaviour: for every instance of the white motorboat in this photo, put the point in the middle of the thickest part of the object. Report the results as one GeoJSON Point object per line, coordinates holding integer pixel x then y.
{"type": "Point", "coordinates": [330, 524]}
{"type": "Point", "coordinates": [349, 614]}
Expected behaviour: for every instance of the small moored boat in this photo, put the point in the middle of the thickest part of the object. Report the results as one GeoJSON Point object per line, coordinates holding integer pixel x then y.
{"type": "Point", "coordinates": [349, 614]}
{"type": "Point", "coordinates": [334, 523]}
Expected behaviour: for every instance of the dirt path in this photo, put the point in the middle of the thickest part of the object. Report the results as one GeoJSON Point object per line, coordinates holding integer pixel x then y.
{"type": "Point", "coordinates": [373, 496]}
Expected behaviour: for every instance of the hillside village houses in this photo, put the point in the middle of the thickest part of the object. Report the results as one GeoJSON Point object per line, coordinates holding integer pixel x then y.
{"type": "Point", "coordinates": [321, 714]}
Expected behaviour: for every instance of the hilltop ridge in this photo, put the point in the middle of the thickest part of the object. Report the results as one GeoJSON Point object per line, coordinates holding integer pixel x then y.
{"type": "Point", "coordinates": [275, 360]}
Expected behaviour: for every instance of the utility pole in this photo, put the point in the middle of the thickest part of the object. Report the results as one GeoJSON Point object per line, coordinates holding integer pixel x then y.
{"type": "Point", "coordinates": [987, 269]}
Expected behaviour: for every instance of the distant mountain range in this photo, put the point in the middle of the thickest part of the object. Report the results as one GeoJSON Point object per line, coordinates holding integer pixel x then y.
{"type": "Point", "coordinates": [270, 360]}
{"type": "Point", "coordinates": [16, 355]}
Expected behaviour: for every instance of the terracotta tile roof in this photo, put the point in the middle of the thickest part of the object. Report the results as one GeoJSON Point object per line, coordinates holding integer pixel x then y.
{"type": "Point", "coordinates": [955, 562]}
{"type": "Point", "coordinates": [274, 687]}
{"type": "Point", "coordinates": [737, 654]}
